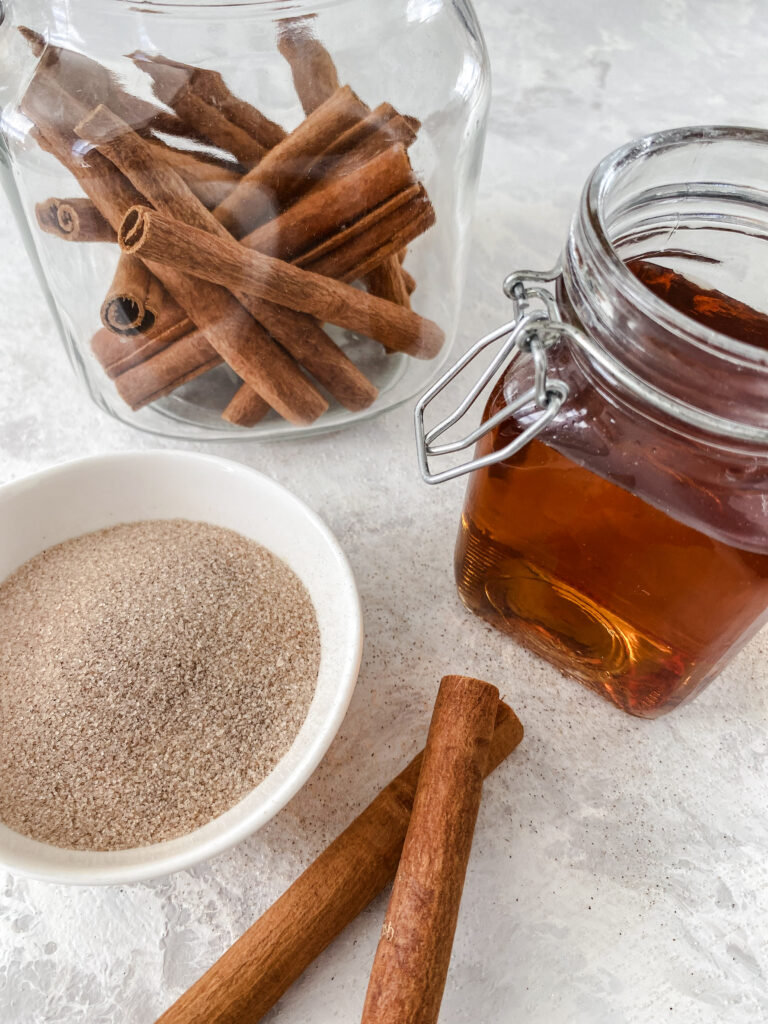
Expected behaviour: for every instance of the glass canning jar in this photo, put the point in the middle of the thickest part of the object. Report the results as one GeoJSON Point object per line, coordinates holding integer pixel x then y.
{"type": "Point", "coordinates": [342, 137]}
{"type": "Point", "coordinates": [616, 518]}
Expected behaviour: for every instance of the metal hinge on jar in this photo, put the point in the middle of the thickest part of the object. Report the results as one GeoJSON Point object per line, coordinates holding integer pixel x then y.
{"type": "Point", "coordinates": [535, 328]}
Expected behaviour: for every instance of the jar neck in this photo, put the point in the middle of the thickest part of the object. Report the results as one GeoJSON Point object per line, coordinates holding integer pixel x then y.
{"type": "Point", "coordinates": [642, 204]}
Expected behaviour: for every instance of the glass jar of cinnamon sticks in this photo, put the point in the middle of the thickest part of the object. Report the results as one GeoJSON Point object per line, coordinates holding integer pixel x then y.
{"type": "Point", "coordinates": [249, 220]}
{"type": "Point", "coordinates": [616, 519]}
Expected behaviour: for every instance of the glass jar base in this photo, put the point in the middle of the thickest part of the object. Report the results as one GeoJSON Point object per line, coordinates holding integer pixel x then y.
{"type": "Point", "coordinates": [572, 631]}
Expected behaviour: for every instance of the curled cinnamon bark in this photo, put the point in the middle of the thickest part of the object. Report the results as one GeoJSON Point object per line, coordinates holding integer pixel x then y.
{"type": "Point", "coordinates": [134, 300]}
{"type": "Point", "coordinates": [74, 220]}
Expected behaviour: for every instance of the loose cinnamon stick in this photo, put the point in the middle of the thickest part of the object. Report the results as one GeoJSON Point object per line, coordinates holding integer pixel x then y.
{"type": "Point", "coordinates": [160, 238]}
{"type": "Point", "coordinates": [234, 335]}
{"type": "Point", "coordinates": [285, 171]}
{"type": "Point", "coordinates": [314, 74]}
{"type": "Point", "coordinates": [411, 963]}
{"type": "Point", "coordinates": [74, 220]}
{"type": "Point", "coordinates": [255, 972]}
{"type": "Point", "coordinates": [134, 300]}
{"type": "Point", "coordinates": [300, 335]}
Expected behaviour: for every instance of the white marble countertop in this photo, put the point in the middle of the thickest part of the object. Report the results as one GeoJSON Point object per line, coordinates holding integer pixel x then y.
{"type": "Point", "coordinates": [619, 873]}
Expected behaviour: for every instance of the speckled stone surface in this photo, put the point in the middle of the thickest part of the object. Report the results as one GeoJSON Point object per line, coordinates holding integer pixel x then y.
{"type": "Point", "coordinates": [620, 868]}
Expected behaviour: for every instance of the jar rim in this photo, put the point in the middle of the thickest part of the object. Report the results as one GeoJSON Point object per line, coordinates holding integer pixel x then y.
{"type": "Point", "coordinates": [594, 197]}
{"type": "Point", "coordinates": [222, 8]}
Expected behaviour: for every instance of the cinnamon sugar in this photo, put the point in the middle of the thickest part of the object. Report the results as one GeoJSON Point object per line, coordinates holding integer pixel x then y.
{"type": "Point", "coordinates": [151, 674]}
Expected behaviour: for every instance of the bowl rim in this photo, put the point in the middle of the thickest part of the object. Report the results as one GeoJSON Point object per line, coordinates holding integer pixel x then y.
{"type": "Point", "coordinates": [107, 871]}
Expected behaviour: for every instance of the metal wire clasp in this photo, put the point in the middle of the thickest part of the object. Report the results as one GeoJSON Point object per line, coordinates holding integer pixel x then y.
{"type": "Point", "coordinates": [536, 327]}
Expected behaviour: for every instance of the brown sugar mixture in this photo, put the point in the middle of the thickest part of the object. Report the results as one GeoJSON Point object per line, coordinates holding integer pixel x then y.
{"type": "Point", "coordinates": [151, 674]}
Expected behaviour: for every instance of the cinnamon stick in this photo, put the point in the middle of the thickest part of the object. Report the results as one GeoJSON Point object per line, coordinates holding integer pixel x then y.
{"type": "Point", "coordinates": [301, 336]}
{"type": "Point", "coordinates": [314, 74]}
{"type": "Point", "coordinates": [385, 230]}
{"type": "Point", "coordinates": [372, 240]}
{"type": "Point", "coordinates": [160, 238]}
{"type": "Point", "coordinates": [119, 353]}
{"type": "Point", "coordinates": [172, 85]}
{"type": "Point", "coordinates": [336, 201]}
{"type": "Point", "coordinates": [210, 87]}
{"type": "Point", "coordinates": [382, 118]}
{"type": "Point", "coordinates": [246, 408]}
{"type": "Point", "coordinates": [134, 300]}
{"type": "Point", "coordinates": [285, 170]}
{"type": "Point", "coordinates": [74, 220]}
{"type": "Point", "coordinates": [411, 963]}
{"type": "Point", "coordinates": [90, 83]}
{"type": "Point", "coordinates": [167, 370]}
{"type": "Point", "coordinates": [234, 335]}
{"type": "Point", "coordinates": [343, 234]}
{"type": "Point", "coordinates": [388, 282]}
{"type": "Point", "coordinates": [255, 972]}
{"type": "Point", "coordinates": [211, 181]}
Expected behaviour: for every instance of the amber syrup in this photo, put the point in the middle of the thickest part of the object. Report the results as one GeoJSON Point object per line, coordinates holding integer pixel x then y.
{"type": "Point", "coordinates": [636, 605]}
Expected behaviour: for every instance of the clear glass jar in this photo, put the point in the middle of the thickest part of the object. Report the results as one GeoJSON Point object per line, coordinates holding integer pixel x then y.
{"type": "Point", "coordinates": [617, 518]}
{"type": "Point", "coordinates": [343, 137]}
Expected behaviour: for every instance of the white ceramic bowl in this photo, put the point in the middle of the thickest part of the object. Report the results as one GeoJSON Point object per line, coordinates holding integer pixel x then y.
{"type": "Point", "coordinates": [89, 494]}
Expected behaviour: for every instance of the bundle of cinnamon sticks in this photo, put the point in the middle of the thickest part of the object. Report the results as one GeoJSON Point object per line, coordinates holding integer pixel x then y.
{"type": "Point", "coordinates": [238, 240]}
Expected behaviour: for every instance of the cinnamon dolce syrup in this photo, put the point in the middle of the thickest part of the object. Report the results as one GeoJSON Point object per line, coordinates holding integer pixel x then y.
{"type": "Point", "coordinates": [636, 605]}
